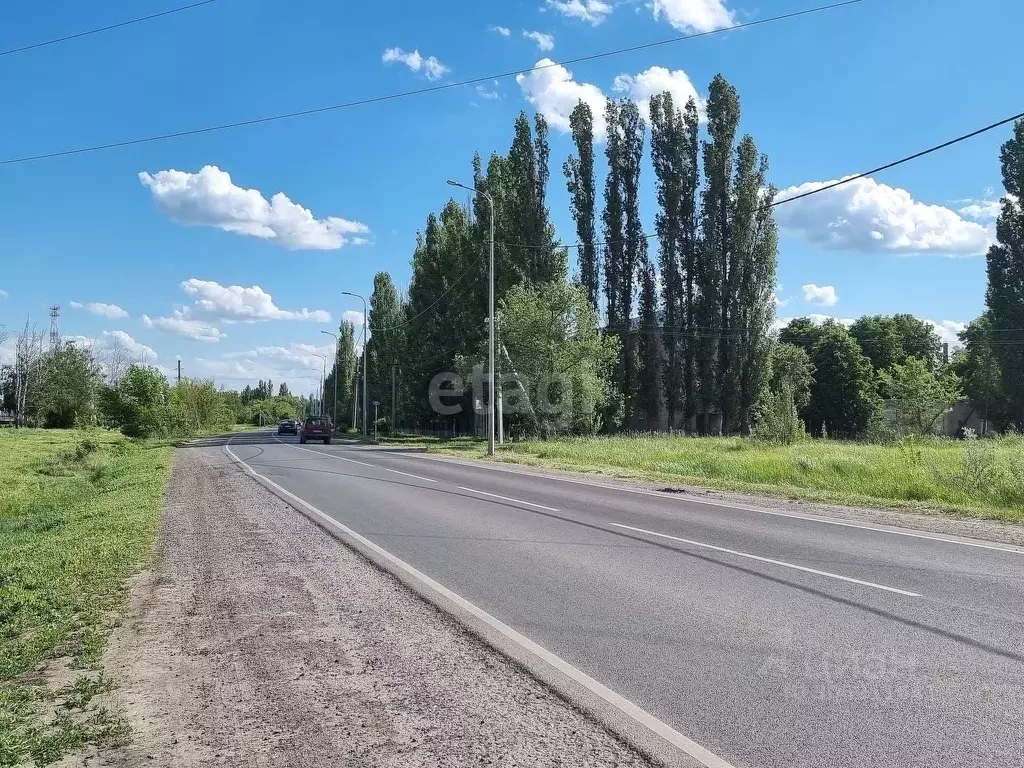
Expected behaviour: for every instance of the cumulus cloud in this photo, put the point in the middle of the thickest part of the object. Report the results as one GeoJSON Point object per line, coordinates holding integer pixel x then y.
{"type": "Point", "coordinates": [210, 199]}
{"type": "Point", "coordinates": [544, 41]}
{"type": "Point", "coordinates": [816, 318]}
{"type": "Point", "coordinates": [103, 310]}
{"type": "Point", "coordinates": [552, 90]}
{"type": "Point", "coordinates": [824, 295]}
{"type": "Point", "coordinates": [590, 11]}
{"type": "Point", "coordinates": [431, 68]}
{"type": "Point", "coordinates": [947, 330]}
{"type": "Point", "coordinates": [866, 216]}
{"type": "Point", "coordinates": [984, 210]}
{"type": "Point", "coordinates": [109, 339]}
{"type": "Point", "coordinates": [694, 15]}
{"type": "Point", "coordinates": [244, 304]}
{"type": "Point", "coordinates": [657, 80]}
{"type": "Point", "coordinates": [180, 324]}
{"type": "Point", "coordinates": [503, 31]}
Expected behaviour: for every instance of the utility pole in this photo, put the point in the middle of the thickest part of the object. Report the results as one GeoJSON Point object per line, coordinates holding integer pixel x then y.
{"type": "Point", "coordinates": [393, 398]}
{"type": "Point", "coordinates": [366, 319]}
{"type": "Point", "coordinates": [355, 394]}
{"type": "Point", "coordinates": [179, 371]}
{"type": "Point", "coordinates": [334, 409]}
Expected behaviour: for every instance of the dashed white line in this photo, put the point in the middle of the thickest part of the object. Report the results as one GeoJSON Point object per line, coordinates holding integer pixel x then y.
{"type": "Point", "coordinates": [361, 463]}
{"type": "Point", "coordinates": [780, 563]}
{"type": "Point", "coordinates": [506, 498]}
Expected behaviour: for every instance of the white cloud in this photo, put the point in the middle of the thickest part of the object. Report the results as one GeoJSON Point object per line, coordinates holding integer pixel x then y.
{"type": "Point", "coordinates": [823, 295]}
{"type": "Point", "coordinates": [555, 94]}
{"type": "Point", "coordinates": [866, 216]}
{"type": "Point", "coordinates": [657, 80]}
{"type": "Point", "coordinates": [103, 310]}
{"type": "Point", "coordinates": [3, 294]}
{"type": "Point", "coordinates": [487, 93]}
{"type": "Point", "coordinates": [694, 15]}
{"type": "Point", "coordinates": [430, 66]}
{"type": "Point", "coordinates": [544, 41]}
{"type": "Point", "coordinates": [590, 11]}
{"type": "Point", "coordinates": [503, 31]}
{"type": "Point", "coordinates": [815, 318]}
{"type": "Point", "coordinates": [107, 339]}
{"type": "Point", "coordinates": [245, 304]}
{"type": "Point", "coordinates": [354, 317]}
{"type": "Point", "coordinates": [947, 330]}
{"type": "Point", "coordinates": [181, 325]}
{"type": "Point", "coordinates": [210, 199]}
{"type": "Point", "coordinates": [984, 210]}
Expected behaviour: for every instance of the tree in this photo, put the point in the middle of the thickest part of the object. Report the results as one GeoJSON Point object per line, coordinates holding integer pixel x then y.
{"type": "Point", "coordinates": [66, 395]}
{"type": "Point", "coordinates": [556, 350]}
{"type": "Point", "coordinates": [791, 367]}
{"type": "Point", "coordinates": [650, 352]}
{"type": "Point", "coordinates": [843, 397]}
{"type": "Point", "coordinates": [344, 369]}
{"type": "Point", "coordinates": [801, 332]}
{"type": "Point", "coordinates": [1004, 296]}
{"type": "Point", "coordinates": [386, 349]}
{"type": "Point", "coordinates": [139, 405]}
{"type": "Point", "coordinates": [579, 174]}
{"type": "Point", "coordinates": [282, 390]}
{"type": "Point", "coordinates": [888, 340]}
{"type": "Point", "coordinates": [668, 156]}
{"type": "Point", "coordinates": [980, 373]}
{"type": "Point", "coordinates": [920, 397]}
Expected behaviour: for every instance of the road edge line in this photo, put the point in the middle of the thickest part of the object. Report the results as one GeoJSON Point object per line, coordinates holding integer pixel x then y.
{"type": "Point", "coordinates": [637, 727]}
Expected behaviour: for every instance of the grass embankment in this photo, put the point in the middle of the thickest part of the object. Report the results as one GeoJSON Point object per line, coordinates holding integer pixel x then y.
{"type": "Point", "coordinates": [78, 515]}
{"type": "Point", "coordinates": [977, 478]}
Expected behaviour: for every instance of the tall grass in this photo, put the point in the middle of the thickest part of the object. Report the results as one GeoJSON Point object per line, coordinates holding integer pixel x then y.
{"type": "Point", "coordinates": [78, 515]}
{"type": "Point", "coordinates": [971, 477]}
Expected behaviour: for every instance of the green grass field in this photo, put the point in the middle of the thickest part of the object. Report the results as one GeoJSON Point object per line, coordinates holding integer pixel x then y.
{"type": "Point", "coordinates": [976, 478]}
{"type": "Point", "coordinates": [78, 515]}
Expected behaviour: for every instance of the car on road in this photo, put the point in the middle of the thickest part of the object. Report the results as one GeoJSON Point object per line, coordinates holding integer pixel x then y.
{"type": "Point", "coordinates": [287, 426]}
{"type": "Point", "coordinates": [316, 428]}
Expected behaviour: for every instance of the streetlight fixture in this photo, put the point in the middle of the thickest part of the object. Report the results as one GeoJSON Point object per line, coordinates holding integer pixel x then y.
{"type": "Point", "coordinates": [365, 369]}
{"type": "Point", "coordinates": [490, 319]}
{"type": "Point", "coordinates": [323, 377]}
{"type": "Point", "coordinates": [334, 409]}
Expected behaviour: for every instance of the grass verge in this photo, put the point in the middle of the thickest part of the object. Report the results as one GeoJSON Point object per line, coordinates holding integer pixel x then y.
{"type": "Point", "coordinates": [970, 478]}
{"type": "Point", "coordinates": [78, 515]}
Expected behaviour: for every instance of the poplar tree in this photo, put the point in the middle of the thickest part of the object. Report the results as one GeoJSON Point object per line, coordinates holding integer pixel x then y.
{"type": "Point", "coordinates": [579, 175]}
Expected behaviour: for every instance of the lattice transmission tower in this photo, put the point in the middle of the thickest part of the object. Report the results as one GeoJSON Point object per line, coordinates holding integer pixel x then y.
{"type": "Point", "coordinates": [54, 326]}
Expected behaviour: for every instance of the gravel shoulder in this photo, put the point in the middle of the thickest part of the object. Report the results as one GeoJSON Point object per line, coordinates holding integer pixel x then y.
{"type": "Point", "coordinates": [258, 640]}
{"type": "Point", "coordinates": [927, 521]}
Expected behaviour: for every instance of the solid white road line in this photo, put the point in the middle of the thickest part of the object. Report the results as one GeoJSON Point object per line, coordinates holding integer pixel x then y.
{"type": "Point", "coordinates": [690, 499]}
{"type": "Point", "coordinates": [506, 498]}
{"type": "Point", "coordinates": [691, 748]}
{"type": "Point", "coordinates": [781, 563]}
{"type": "Point", "coordinates": [362, 463]}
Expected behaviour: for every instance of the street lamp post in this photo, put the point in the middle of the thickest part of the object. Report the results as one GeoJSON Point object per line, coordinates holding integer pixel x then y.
{"type": "Point", "coordinates": [334, 407]}
{"type": "Point", "coordinates": [365, 370]}
{"type": "Point", "coordinates": [492, 386]}
{"type": "Point", "coordinates": [323, 377]}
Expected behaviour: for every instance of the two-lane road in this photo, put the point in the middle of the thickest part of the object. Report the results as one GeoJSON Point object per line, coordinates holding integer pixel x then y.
{"type": "Point", "coordinates": [772, 640]}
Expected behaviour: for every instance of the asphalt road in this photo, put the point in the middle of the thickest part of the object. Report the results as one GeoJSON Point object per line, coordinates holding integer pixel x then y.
{"type": "Point", "coordinates": [772, 641]}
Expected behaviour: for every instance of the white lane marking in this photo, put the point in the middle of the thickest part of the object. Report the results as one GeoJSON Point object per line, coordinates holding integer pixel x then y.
{"type": "Point", "coordinates": [699, 753]}
{"type": "Point", "coordinates": [506, 498]}
{"type": "Point", "coordinates": [363, 463]}
{"type": "Point", "coordinates": [1007, 548]}
{"type": "Point", "coordinates": [781, 563]}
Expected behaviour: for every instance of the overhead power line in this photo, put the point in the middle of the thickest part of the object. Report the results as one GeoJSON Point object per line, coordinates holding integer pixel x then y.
{"type": "Point", "coordinates": [418, 91]}
{"type": "Point", "coordinates": [118, 25]}
{"type": "Point", "coordinates": [819, 190]}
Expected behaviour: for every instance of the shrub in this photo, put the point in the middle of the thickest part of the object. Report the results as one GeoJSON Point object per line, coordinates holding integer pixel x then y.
{"type": "Point", "coordinates": [777, 420]}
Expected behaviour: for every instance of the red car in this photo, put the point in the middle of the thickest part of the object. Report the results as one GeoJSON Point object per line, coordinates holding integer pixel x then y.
{"type": "Point", "coordinates": [316, 428]}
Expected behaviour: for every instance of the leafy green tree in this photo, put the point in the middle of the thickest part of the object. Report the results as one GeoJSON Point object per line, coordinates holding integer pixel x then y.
{"type": "Point", "coordinates": [980, 373]}
{"type": "Point", "coordinates": [282, 391]}
{"type": "Point", "coordinates": [650, 352]}
{"type": "Point", "coordinates": [791, 367]}
{"type": "Point", "coordinates": [888, 340]}
{"type": "Point", "coordinates": [801, 332]}
{"type": "Point", "coordinates": [140, 403]}
{"type": "Point", "coordinates": [344, 369]}
{"type": "Point", "coordinates": [579, 174]}
{"type": "Point", "coordinates": [386, 349]}
{"type": "Point", "coordinates": [843, 397]}
{"type": "Point", "coordinates": [1005, 294]}
{"type": "Point", "coordinates": [197, 407]}
{"type": "Point", "coordinates": [555, 348]}
{"type": "Point", "coordinates": [68, 386]}
{"type": "Point", "coordinates": [919, 396]}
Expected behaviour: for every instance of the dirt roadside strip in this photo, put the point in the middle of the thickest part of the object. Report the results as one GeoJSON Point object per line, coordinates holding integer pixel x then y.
{"type": "Point", "coordinates": [259, 640]}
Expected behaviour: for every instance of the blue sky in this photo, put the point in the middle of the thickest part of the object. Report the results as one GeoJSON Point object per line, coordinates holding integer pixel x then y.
{"type": "Point", "coordinates": [825, 96]}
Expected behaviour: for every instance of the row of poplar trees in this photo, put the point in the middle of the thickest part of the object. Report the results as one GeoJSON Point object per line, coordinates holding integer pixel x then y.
{"type": "Point", "coordinates": [689, 326]}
